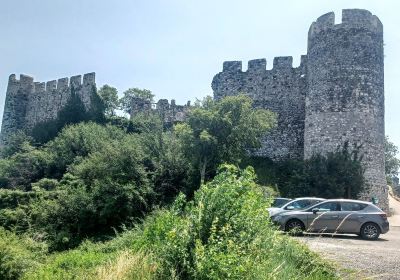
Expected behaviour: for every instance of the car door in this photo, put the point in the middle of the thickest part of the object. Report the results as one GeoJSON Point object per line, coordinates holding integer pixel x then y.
{"type": "Point", "coordinates": [326, 218]}
{"type": "Point", "coordinates": [351, 217]}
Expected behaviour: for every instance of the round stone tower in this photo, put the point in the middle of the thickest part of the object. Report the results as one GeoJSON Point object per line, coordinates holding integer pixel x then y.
{"type": "Point", "coordinates": [345, 97]}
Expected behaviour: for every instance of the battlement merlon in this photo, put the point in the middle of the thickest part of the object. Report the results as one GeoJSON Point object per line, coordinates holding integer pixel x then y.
{"type": "Point", "coordinates": [39, 87]}
{"type": "Point", "coordinates": [283, 62]}
{"type": "Point", "coordinates": [75, 81]}
{"type": "Point", "coordinates": [12, 79]}
{"type": "Point", "coordinates": [351, 18]}
{"type": "Point", "coordinates": [232, 66]}
{"type": "Point", "coordinates": [89, 79]}
{"type": "Point", "coordinates": [257, 65]}
{"type": "Point", "coordinates": [62, 84]}
{"type": "Point", "coordinates": [51, 85]}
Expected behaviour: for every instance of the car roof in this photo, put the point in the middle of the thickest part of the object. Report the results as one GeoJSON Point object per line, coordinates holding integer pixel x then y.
{"type": "Point", "coordinates": [301, 198]}
{"type": "Point", "coordinates": [312, 198]}
{"type": "Point", "coordinates": [338, 200]}
{"type": "Point", "coordinates": [349, 200]}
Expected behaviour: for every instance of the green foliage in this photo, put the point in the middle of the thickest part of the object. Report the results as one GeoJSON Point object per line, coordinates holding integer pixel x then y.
{"type": "Point", "coordinates": [338, 174]}
{"type": "Point", "coordinates": [18, 254]}
{"type": "Point", "coordinates": [19, 170]}
{"type": "Point", "coordinates": [91, 180]}
{"type": "Point", "coordinates": [125, 101]}
{"type": "Point", "coordinates": [224, 233]}
{"type": "Point", "coordinates": [222, 131]}
{"type": "Point", "coordinates": [392, 163]}
{"type": "Point", "coordinates": [109, 95]}
{"type": "Point", "coordinates": [106, 189]}
{"type": "Point", "coordinates": [18, 142]}
{"type": "Point", "coordinates": [173, 171]}
{"type": "Point", "coordinates": [13, 198]}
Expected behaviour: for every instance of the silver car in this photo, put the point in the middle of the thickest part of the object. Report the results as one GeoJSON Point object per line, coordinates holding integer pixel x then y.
{"type": "Point", "coordinates": [337, 216]}
{"type": "Point", "coordinates": [296, 204]}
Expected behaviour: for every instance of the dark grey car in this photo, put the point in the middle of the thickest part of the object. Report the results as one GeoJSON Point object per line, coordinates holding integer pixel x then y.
{"type": "Point", "coordinates": [337, 216]}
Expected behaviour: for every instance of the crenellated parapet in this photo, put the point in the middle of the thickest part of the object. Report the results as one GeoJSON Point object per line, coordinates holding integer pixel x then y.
{"type": "Point", "coordinates": [351, 19]}
{"type": "Point", "coordinates": [27, 82]}
{"type": "Point", "coordinates": [29, 103]}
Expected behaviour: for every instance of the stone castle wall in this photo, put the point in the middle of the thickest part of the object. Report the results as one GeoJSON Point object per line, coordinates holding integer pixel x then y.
{"type": "Point", "coordinates": [335, 95]}
{"type": "Point", "coordinates": [169, 112]}
{"type": "Point", "coordinates": [281, 90]}
{"type": "Point", "coordinates": [29, 103]}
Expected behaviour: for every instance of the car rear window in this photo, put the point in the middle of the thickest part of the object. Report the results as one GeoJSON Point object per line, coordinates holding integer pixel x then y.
{"type": "Point", "coordinates": [353, 206]}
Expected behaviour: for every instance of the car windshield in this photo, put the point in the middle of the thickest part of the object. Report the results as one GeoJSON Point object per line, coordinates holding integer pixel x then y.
{"type": "Point", "coordinates": [279, 202]}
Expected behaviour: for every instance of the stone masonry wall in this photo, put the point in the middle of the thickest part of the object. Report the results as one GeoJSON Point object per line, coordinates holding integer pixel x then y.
{"type": "Point", "coordinates": [170, 113]}
{"type": "Point", "coordinates": [335, 96]}
{"type": "Point", "coordinates": [29, 103]}
{"type": "Point", "coordinates": [281, 90]}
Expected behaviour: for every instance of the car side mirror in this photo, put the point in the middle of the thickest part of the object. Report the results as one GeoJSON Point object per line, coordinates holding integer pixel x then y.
{"type": "Point", "coordinates": [290, 208]}
{"type": "Point", "coordinates": [315, 210]}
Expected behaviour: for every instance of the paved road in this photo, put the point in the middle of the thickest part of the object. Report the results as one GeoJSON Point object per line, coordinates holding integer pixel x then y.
{"type": "Point", "coordinates": [362, 259]}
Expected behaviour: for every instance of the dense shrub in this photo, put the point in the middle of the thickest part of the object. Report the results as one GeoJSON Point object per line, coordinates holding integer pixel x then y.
{"type": "Point", "coordinates": [18, 254]}
{"type": "Point", "coordinates": [224, 233]}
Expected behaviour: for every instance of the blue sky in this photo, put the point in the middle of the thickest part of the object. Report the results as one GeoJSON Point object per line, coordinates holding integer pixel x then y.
{"type": "Point", "coordinates": [175, 47]}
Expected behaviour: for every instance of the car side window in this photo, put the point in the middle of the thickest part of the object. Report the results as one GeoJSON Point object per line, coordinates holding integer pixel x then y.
{"type": "Point", "coordinates": [300, 204]}
{"type": "Point", "coordinates": [329, 206]}
{"type": "Point", "coordinates": [353, 206]}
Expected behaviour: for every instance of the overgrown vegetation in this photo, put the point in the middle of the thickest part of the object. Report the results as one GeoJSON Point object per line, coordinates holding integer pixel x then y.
{"type": "Point", "coordinates": [223, 233]}
{"type": "Point", "coordinates": [392, 163]}
{"type": "Point", "coordinates": [104, 193]}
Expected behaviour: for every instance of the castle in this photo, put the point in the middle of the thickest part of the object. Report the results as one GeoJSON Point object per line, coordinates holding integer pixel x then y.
{"type": "Point", "coordinates": [29, 103]}
{"type": "Point", "coordinates": [335, 95]}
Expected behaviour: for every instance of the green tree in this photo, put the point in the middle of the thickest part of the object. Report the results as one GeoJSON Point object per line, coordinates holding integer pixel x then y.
{"type": "Point", "coordinates": [392, 163]}
{"type": "Point", "coordinates": [125, 101]}
{"type": "Point", "coordinates": [109, 95]}
{"type": "Point", "coordinates": [18, 142]}
{"type": "Point", "coordinates": [222, 131]}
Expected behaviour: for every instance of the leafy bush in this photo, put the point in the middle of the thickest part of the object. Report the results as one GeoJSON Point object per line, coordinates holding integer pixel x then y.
{"type": "Point", "coordinates": [224, 233]}
{"type": "Point", "coordinates": [18, 254]}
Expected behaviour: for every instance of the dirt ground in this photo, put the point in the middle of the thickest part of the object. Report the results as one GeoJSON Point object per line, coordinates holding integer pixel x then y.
{"type": "Point", "coordinates": [360, 259]}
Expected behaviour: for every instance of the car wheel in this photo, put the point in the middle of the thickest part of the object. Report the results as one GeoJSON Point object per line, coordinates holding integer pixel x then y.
{"type": "Point", "coordinates": [294, 226]}
{"type": "Point", "coordinates": [370, 231]}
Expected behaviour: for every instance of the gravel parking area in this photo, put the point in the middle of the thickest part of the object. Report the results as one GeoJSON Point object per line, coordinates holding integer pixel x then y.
{"type": "Point", "coordinates": [361, 259]}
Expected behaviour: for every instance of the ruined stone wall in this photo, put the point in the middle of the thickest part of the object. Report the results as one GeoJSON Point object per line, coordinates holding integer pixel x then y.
{"type": "Point", "coordinates": [281, 90]}
{"type": "Point", "coordinates": [29, 103]}
{"type": "Point", "coordinates": [335, 96]}
{"type": "Point", "coordinates": [169, 112]}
